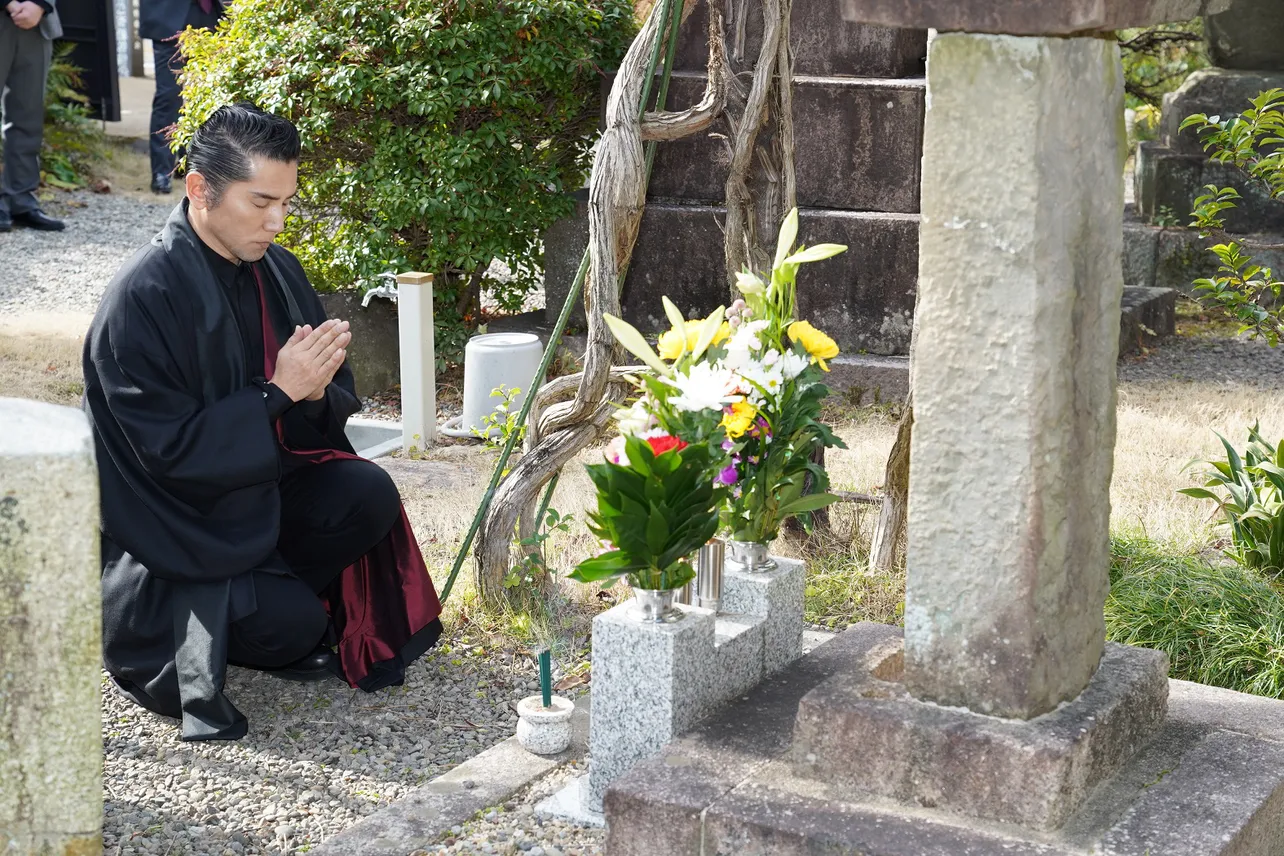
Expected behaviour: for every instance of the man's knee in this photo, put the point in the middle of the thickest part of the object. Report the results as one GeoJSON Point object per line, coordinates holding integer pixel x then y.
{"type": "Point", "coordinates": [280, 632]}
{"type": "Point", "coordinates": [376, 501]}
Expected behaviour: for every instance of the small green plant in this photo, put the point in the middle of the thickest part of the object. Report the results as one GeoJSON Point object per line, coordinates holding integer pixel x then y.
{"type": "Point", "coordinates": [532, 568]}
{"type": "Point", "coordinates": [501, 422]}
{"type": "Point", "coordinates": [1249, 491]}
{"type": "Point", "coordinates": [1254, 143]}
{"type": "Point", "coordinates": [1167, 218]}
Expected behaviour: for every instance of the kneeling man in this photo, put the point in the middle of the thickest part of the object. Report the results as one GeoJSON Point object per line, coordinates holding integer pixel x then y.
{"type": "Point", "coordinates": [238, 526]}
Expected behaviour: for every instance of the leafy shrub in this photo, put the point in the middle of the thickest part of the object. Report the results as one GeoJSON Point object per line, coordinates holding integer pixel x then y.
{"type": "Point", "coordinates": [1221, 624]}
{"type": "Point", "coordinates": [1253, 501]}
{"type": "Point", "coordinates": [1253, 142]}
{"type": "Point", "coordinates": [438, 134]}
{"type": "Point", "coordinates": [73, 142]}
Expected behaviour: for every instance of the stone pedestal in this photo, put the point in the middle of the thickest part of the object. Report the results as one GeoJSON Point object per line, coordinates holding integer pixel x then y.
{"type": "Point", "coordinates": [653, 682]}
{"type": "Point", "coordinates": [1020, 277]}
{"type": "Point", "coordinates": [50, 633]}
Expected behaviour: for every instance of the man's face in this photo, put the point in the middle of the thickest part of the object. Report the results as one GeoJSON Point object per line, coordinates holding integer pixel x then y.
{"type": "Point", "coordinates": [251, 213]}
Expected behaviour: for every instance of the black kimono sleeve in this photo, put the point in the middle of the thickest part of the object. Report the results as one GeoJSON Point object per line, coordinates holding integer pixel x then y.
{"type": "Point", "coordinates": [196, 453]}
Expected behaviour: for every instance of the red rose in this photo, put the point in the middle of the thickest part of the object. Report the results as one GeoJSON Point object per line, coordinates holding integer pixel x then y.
{"type": "Point", "coordinates": [660, 445]}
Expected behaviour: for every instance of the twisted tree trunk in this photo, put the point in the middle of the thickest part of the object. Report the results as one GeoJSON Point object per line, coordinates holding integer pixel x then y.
{"type": "Point", "coordinates": [617, 196]}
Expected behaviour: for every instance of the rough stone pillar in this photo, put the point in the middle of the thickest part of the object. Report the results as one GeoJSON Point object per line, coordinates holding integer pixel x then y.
{"type": "Point", "coordinates": [1248, 35]}
{"type": "Point", "coordinates": [50, 633]}
{"type": "Point", "coordinates": [1019, 289]}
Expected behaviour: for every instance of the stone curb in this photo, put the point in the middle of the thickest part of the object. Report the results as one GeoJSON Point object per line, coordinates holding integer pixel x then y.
{"type": "Point", "coordinates": [422, 817]}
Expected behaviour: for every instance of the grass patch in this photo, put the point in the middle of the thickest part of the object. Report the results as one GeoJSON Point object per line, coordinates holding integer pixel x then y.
{"type": "Point", "coordinates": [1221, 624]}
{"type": "Point", "coordinates": [41, 367]}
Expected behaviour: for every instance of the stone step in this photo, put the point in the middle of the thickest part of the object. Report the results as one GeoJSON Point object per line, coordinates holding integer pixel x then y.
{"type": "Point", "coordinates": [1174, 257]}
{"type": "Point", "coordinates": [822, 43]}
{"type": "Point", "coordinates": [859, 144]}
{"type": "Point", "coordinates": [863, 298]}
{"type": "Point", "coordinates": [1167, 183]}
{"type": "Point", "coordinates": [1210, 782]}
{"type": "Point", "coordinates": [1148, 315]}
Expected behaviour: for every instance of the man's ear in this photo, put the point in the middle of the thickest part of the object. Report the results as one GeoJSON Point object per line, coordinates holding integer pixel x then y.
{"type": "Point", "coordinates": [197, 190]}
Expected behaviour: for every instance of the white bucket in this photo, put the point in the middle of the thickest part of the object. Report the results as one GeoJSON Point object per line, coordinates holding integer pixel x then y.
{"type": "Point", "coordinates": [493, 360]}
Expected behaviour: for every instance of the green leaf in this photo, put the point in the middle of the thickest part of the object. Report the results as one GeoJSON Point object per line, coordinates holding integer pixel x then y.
{"type": "Point", "coordinates": [1199, 493]}
{"type": "Point", "coordinates": [635, 343]}
{"type": "Point", "coordinates": [811, 502]}
{"type": "Point", "coordinates": [707, 331]}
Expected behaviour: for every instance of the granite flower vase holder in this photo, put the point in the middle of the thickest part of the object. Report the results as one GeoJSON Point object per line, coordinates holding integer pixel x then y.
{"type": "Point", "coordinates": [544, 730]}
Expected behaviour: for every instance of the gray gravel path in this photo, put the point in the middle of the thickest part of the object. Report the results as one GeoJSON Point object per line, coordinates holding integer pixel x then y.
{"type": "Point", "coordinates": [68, 271]}
{"type": "Point", "coordinates": [318, 756]}
{"type": "Point", "coordinates": [1216, 359]}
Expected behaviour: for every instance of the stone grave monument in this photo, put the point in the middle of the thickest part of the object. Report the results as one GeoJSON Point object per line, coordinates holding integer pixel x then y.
{"type": "Point", "coordinates": [1246, 46]}
{"type": "Point", "coordinates": [1000, 721]}
{"type": "Point", "coordinates": [51, 754]}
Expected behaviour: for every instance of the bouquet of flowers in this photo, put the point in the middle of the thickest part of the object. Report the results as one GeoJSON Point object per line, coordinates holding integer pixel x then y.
{"type": "Point", "coordinates": [774, 428]}
{"type": "Point", "coordinates": [657, 491]}
{"type": "Point", "coordinates": [722, 434]}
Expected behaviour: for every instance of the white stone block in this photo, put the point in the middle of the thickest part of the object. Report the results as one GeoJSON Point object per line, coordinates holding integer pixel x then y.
{"type": "Point", "coordinates": [50, 632]}
{"type": "Point", "coordinates": [650, 683]}
{"type": "Point", "coordinates": [778, 597]}
{"type": "Point", "coordinates": [740, 641]}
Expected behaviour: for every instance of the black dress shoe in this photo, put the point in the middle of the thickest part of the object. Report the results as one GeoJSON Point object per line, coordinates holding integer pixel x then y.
{"type": "Point", "coordinates": [161, 183]}
{"type": "Point", "coordinates": [6, 222]}
{"type": "Point", "coordinates": [39, 220]}
{"type": "Point", "coordinates": [317, 666]}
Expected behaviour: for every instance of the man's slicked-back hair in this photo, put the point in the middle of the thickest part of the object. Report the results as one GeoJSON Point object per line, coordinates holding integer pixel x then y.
{"type": "Point", "coordinates": [223, 148]}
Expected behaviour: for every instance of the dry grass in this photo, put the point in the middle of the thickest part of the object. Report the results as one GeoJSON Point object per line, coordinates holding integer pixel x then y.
{"type": "Point", "coordinates": [41, 366]}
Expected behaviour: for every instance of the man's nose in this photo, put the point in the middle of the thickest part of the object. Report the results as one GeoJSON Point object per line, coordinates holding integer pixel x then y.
{"type": "Point", "coordinates": [275, 221]}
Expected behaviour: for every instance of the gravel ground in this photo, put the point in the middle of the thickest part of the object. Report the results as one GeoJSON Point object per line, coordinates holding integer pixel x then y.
{"type": "Point", "coordinates": [68, 271]}
{"type": "Point", "coordinates": [318, 756]}
{"type": "Point", "coordinates": [1216, 359]}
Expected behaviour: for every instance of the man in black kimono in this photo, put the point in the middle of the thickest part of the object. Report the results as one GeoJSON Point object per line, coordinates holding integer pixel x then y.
{"type": "Point", "coordinates": [238, 525]}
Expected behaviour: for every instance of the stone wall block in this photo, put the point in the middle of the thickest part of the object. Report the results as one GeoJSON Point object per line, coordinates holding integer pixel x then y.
{"type": "Point", "coordinates": [864, 297]}
{"type": "Point", "coordinates": [857, 144]}
{"type": "Point", "coordinates": [1027, 17]}
{"type": "Point", "coordinates": [1250, 34]}
{"type": "Point", "coordinates": [1013, 445]}
{"type": "Point", "coordinates": [50, 633]}
{"type": "Point", "coordinates": [822, 44]}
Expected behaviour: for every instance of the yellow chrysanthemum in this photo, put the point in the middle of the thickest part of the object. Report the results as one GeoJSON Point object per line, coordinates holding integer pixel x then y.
{"type": "Point", "coordinates": [737, 422]}
{"type": "Point", "coordinates": [814, 342]}
{"type": "Point", "coordinates": [673, 343]}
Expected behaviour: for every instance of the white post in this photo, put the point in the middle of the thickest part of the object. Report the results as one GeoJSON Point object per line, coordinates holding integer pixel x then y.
{"type": "Point", "coordinates": [418, 360]}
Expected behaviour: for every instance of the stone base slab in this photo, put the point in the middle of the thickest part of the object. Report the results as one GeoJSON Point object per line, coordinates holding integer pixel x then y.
{"type": "Point", "coordinates": [1209, 783]}
{"type": "Point", "coordinates": [864, 731]}
{"type": "Point", "coordinates": [568, 805]}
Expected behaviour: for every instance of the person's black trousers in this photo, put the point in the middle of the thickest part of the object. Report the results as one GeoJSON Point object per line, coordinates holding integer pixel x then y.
{"type": "Point", "coordinates": [331, 515]}
{"type": "Point", "coordinates": [166, 102]}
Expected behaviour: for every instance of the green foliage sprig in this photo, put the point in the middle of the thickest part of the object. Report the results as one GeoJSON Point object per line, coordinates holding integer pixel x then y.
{"type": "Point", "coordinates": [654, 511]}
{"type": "Point", "coordinates": [438, 134]}
{"type": "Point", "coordinates": [1254, 143]}
{"type": "Point", "coordinates": [1249, 491]}
{"type": "Point", "coordinates": [73, 142]}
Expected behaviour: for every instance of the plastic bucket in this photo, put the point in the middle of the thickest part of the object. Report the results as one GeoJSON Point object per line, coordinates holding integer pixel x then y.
{"type": "Point", "coordinates": [491, 361]}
